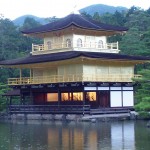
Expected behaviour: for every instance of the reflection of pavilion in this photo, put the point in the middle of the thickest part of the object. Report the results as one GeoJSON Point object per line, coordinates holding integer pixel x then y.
{"type": "Point", "coordinates": [112, 136]}
{"type": "Point", "coordinates": [123, 137]}
{"type": "Point", "coordinates": [73, 136]}
{"type": "Point", "coordinates": [69, 138]}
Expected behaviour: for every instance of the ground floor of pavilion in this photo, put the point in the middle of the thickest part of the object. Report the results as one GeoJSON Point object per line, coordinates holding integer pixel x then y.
{"type": "Point", "coordinates": [77, 96]}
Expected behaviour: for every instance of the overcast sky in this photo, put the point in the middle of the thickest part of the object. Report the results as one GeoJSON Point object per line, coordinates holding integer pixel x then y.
{"type": "Point", "coordinates": [48, 8]}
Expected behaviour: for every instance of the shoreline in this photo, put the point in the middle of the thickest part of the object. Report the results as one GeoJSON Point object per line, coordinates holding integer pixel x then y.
{"type": "Point", "coordinates": [132, 115]}
{"type": "Point", "coordinates": [72, 117]}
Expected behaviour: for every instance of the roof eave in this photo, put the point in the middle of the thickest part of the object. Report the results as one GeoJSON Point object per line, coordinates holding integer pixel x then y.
{"type": "Point", "coordinates": [90, 29]}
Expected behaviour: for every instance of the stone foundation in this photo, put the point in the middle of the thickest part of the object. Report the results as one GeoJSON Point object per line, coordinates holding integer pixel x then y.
{"type": "Point", "coordinates": [72, 117]}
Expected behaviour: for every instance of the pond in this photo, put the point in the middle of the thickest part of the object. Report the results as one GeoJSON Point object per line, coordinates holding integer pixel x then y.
{"type": "Point", "coordinates": [46, 135]}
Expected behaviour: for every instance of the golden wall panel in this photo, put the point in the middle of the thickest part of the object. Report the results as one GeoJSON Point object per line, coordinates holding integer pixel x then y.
{"type": "Point", "coordinates": [72, 69]}
{"type": "Point", "coordinates": [82, 72]}
{"type": "Point", "coordinates": [107, 69]}
{"type": "Point", "coordinates": [44, 72]}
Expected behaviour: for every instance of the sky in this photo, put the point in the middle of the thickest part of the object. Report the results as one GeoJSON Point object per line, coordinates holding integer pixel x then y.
{"type": "Point", "coordinates": [48, 8]}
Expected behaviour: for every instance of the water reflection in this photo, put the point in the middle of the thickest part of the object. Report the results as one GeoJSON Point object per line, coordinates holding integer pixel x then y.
{"type": "Point", "coordinates": [37, 135]}
{"type": "Point", "coordinates": [124, 135]}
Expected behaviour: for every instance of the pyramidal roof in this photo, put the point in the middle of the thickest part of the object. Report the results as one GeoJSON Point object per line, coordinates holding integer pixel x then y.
{"type": "Point", "coordinates": [76, 20]}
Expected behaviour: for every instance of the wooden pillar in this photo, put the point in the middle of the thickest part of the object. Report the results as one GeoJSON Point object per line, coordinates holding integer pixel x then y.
{"type": "Point", "coordinates": [30, 75]}
{"type": "Point", "coordinates": [63, 41]}
{"type": "Point", "coordinates": [21, 99]}
{"type": "Point", "coordinates": [83, 99]}
{"type": "Point", "coordinates": [7, 104]}
{"type": "Point", "coordinates": [117, 46]}
{"type": "Point", "coordinates": [10, 100]}
{"type": "Point", "coordinates": [7, 99]}
{"type": "Point", "coordinates": [59, 97]}
{"type": "Point", "coordinates": [10, 103]}
{"type": "Point", "coordinates": [20, 75]}
{"type": "Point", "coordinates": [31, 95]}
{"type": "Point", "coordinates": [122, 95]}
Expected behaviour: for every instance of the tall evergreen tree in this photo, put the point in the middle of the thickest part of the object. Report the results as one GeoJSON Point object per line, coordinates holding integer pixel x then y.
{"type": "Point", "coordinates": [143, 92]}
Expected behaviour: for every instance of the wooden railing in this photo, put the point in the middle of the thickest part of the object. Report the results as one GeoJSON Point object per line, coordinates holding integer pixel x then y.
{"type": "Point", "coordinates": [64, 109]}
{"type": "Point", "coordinates": [107, 47]}
{"type": "Point", "coordinates": [49, 109]}
{"type": "Point", "coordinates": [111, 110]}
{"type": "Point", "coordinates": [72, 78]}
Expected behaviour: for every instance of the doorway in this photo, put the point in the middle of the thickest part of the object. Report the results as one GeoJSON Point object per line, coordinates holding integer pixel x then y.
{"type": "Point", "coordinates": [103, 99]}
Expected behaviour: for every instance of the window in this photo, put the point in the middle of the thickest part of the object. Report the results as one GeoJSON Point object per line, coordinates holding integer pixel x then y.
{"type": "Point", "coordinates": [49, 45]}
{"type": "Point", "coordinates": [79, 43]}
{"type": "Point", "coordinates": [66, 96]}
{"type": "Point", "coordinates": [100, 44]}
{"type": "Point", "coordinates": [78, 96]}
{"type": "Point", "coordinates": [52, 97]}
{"type": "Point", "coordinates": [90, 96]}
{"type": "Point", "coordinates": [68, 43]}
{"type": "Point", "coordinates": [72, 96]}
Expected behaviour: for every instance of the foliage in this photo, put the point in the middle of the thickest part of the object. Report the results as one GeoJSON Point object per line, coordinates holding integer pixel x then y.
{"type": "Point", "coordinates": [3, 101]}
{"type": "Point", "coordinates": [101, 9]}
{"type": "Point", "coordinates": [29, 23]}
{"type": "Point", "coordinates": [13, 44]}
{"type": "Point", "coordinates": [143, 92]}
{"type": "Point", "coordinates": [8, 39]}
{"type": "Point", "coordinates": [20, 20]}
{"type": "Point", "coordinates": [144, 115]}
{"type": "Point", "coordinates": [26, 42]}
{"type": "Point", "coordinates": [136, 40]}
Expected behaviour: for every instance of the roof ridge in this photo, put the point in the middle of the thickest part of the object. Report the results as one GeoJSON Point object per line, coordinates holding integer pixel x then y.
{"type": "Point", "coordinates": [89, 21]}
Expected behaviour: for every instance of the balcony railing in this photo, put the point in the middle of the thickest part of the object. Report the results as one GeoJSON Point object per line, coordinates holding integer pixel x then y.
{"type": "Point", "coordinates": [107, 47]}
{"type": "Point", "coordinates": [49, 109]}
{"type": "Point", "coordinates": [72, 78]}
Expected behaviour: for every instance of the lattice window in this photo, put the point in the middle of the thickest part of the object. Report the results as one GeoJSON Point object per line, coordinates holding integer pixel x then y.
{"type": "Point", "coordinates": [68, 43]}
{"type": "Point", "coordinates": [79, 43]}
{"type": "Point", "coordinates": [49, 45]}
{"type": "Point", "coordinates": [100, 44]}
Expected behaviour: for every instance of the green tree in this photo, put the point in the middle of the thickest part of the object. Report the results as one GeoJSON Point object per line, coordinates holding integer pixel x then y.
{"type": "Point", "coordinates": [135, 41]}
{"type": "Point", "coordinates": [86, 15]}
{"type": "Point", "coordinates": [3, 102]}
{"type": "Point", "coordinates": [107, 18]}
{"type": "Point", "coordinates": [143, 92]}
{"type": "Point", "coordinates": [8, 39]}
{"type": "Point", "coordinates": [96, 16]}
{"type": "Point", "coordinates": [131, 11]}
{"type": "Point", "coordinates": [120, 18]}
{"type": "Point", "coordinates": [9, 46]}
{"type": "Point", "coordinates": [25, 41]}
{"type": "Point", "coordinates": [30, 23]}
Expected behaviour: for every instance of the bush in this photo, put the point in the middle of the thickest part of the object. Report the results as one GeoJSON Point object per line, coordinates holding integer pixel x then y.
{"type": "Point", "coordinates": [3, 101]}
{"type": "Point", "coordinates": [144, 115]}
{"type": "Point", "coordinates": [142, 106]}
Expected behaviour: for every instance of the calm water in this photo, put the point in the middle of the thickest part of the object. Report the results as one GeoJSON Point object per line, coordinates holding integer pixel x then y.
{"type": "Point", "coordinates": [36, 135]}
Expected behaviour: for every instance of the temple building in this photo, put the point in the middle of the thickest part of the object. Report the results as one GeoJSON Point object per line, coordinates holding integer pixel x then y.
{"type": "Point", "coordinates": [75, 67]}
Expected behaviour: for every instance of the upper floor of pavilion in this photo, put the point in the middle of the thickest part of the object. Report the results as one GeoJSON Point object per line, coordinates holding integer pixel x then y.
{"type": "Point", "coordinates": [75, 33]}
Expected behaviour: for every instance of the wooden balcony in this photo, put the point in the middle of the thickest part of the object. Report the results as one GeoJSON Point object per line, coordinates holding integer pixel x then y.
{"type": "Point", "coordinates": [60, 47]}
{"type": "Point", "coordinates": [72, 78]}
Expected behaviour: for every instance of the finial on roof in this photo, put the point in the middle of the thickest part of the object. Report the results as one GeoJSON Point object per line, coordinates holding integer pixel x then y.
{"type": "Point", "coordinates": [75, 10]}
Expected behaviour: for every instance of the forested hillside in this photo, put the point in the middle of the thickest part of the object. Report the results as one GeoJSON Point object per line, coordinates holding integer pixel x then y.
{"type": "Point", "coordinates": [20, 20]}
{"type": "Point", "coordinates": [99, 8]}
{"type": "Point", "coordinates": [135, 42]}
{"type": "Point", "coordinates": [102, 9]}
